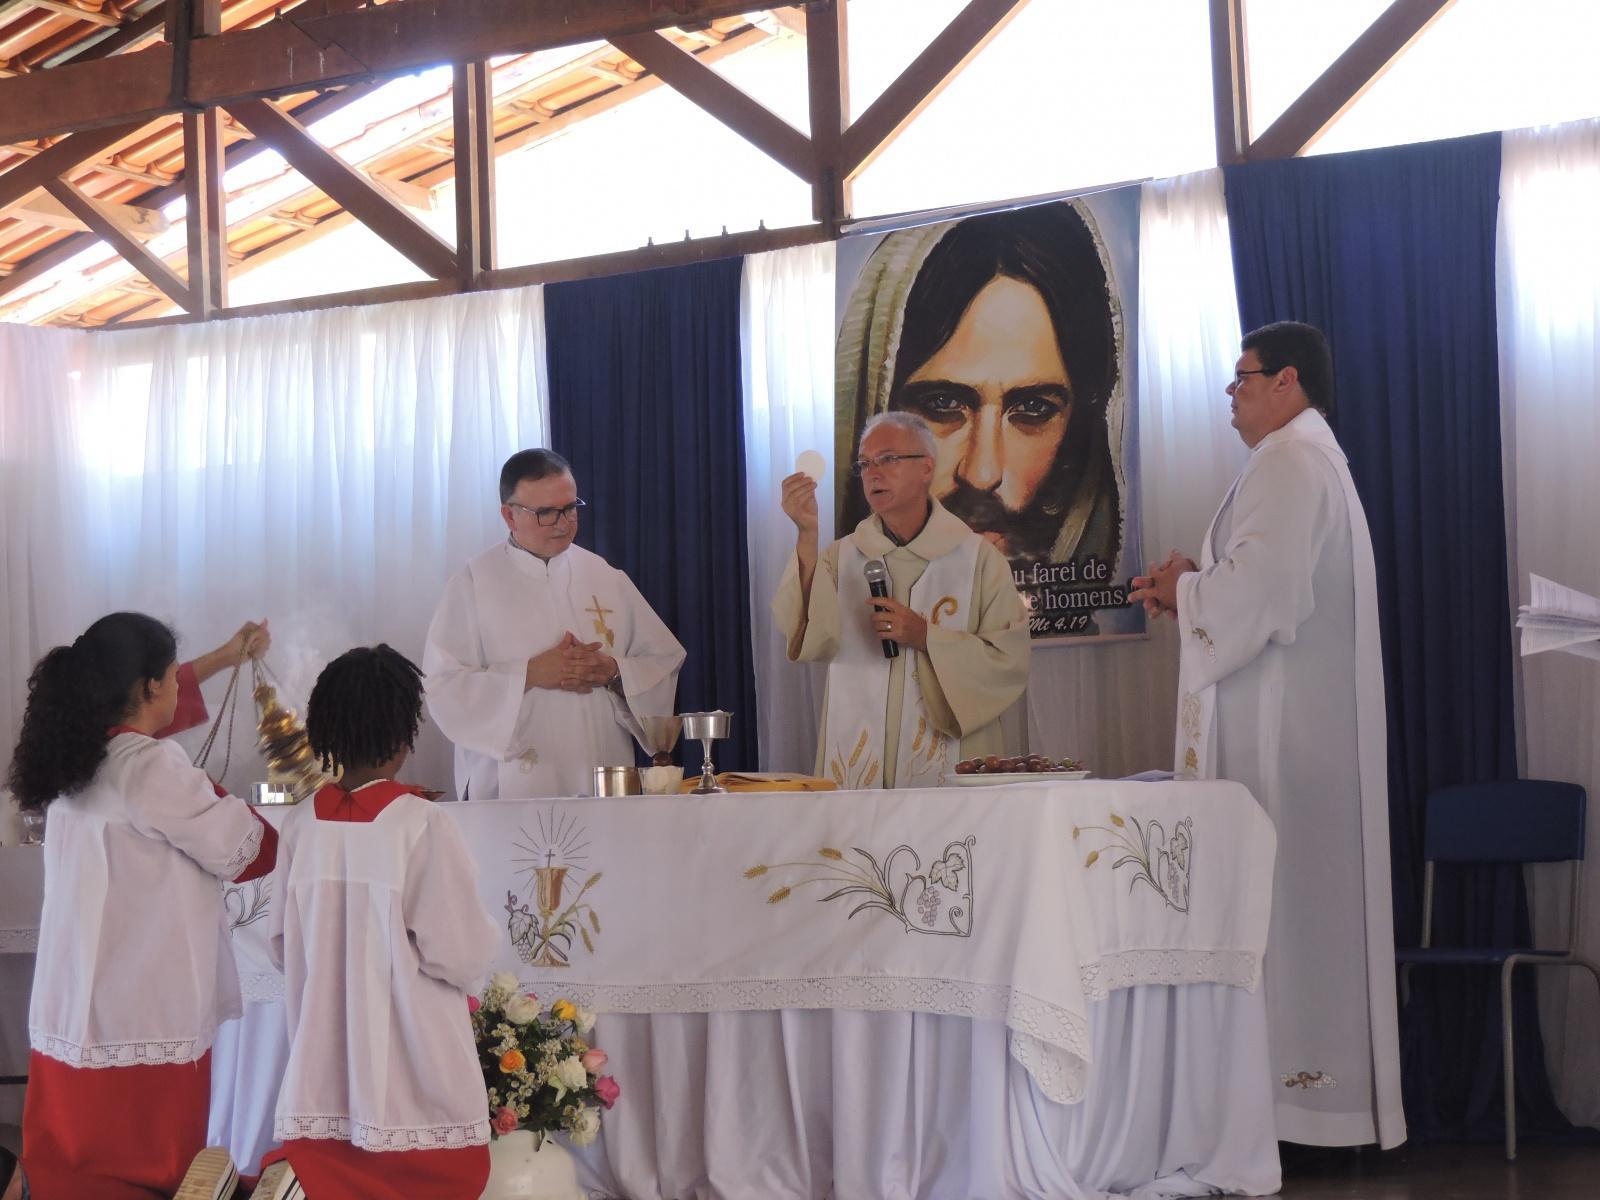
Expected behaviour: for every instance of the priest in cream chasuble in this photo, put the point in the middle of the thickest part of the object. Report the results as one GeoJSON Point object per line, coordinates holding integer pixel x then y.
{"type": "Point", "coordinates": [953, 610]}
{"type": "Point", "coordinates": [542, 657]}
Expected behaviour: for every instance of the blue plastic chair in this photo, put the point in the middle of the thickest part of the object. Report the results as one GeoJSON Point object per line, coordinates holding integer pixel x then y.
{"type": "Point", "coordinates": [1520, 821]}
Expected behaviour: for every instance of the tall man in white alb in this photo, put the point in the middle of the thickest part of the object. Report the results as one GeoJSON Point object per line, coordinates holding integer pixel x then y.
{"type": "Point", "coordinates": [1280, 688]}
{"type": "Point", "coordinates": [952, 609]}
{"type": "Point", "coordinates": [542, 656]}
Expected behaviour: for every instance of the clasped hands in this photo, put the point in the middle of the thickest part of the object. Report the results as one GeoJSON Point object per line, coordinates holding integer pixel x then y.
{"type": "Point", "coordinates": [1158, 591]}
{"type": "Point", "coordinates": [572, 666]}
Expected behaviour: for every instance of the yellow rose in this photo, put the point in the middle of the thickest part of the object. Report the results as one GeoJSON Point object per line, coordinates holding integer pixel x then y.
{"type": "Point", "coordinates": [563, 1010]}
{"type": "Point", "coordinates": [512, 1060]}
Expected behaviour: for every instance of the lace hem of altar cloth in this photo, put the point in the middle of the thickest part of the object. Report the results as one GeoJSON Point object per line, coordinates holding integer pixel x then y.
{"type": "Point", "coordinates": [121, 1054]}
{"type": "Point", "coordinates": [370, 1137]}
{"type": "Point", "coordinates": [1174, 968]}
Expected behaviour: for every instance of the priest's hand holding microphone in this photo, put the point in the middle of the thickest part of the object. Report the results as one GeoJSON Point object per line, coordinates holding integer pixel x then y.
{"type": "Point", "coordinates": [894, 623]}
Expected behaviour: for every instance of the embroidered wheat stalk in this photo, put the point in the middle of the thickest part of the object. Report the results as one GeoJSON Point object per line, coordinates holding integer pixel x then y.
{"type": "Point", "coordinates": [861, 745]}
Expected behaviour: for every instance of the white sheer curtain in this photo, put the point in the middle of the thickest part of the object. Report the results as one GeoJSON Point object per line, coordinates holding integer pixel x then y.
{"type": "Point", "coordinates": [1114, 705]}
{"type": "Point", "coordinates": [1549, 317]}
{"type": "Point", "coordinates": [38, 373]}
{"type": "Point", "coordinates": [787, 328]}
{"type": "Point", "coordinates": [325, 470]}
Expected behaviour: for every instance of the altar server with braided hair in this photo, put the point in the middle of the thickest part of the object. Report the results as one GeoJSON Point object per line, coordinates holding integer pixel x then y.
{"type": "Point", "coordinates": [134, 970]}
{"type": "Point", "coordinates": [381, 936]}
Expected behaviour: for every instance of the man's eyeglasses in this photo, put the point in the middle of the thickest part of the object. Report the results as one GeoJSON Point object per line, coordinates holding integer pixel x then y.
{"type": "Point", "coordinates": [1238, 376]}
{"type": "Point", "coordinates": [883, 462]}
{"type": "Point", "coordinates": [547, 517]}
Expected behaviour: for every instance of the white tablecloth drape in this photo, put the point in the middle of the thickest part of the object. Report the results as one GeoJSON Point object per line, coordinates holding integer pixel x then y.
{"type": "Point", "coordinates": [1044, 989]}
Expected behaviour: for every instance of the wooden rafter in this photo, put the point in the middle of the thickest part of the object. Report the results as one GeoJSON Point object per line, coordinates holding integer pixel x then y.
{"type": "Point", "coordinates": [56, 161]}
{"type": "Point", "coordinates": [93, 16]}
{"type": "Point", "coordinates": [684, 73]}
{"type": "Point", "coordinates": [324, 48]}
{"type": "Point", "coordinates": [828, 84]}
{"type": "Point", "coordinates": [1230, 76]}
{"type": "Point", "coordinates": [473, 102]}
{"type": "Point", "coordinates": [916, 87]}
{"type": "Point", "coordinates": [206, 211]}
{"type": "Point", "coordinates": [103, 223]}
{"type": "Point", "coordinates": [670, 254]}
{"type": "Point", "coordinates": [348, 186]}
{"type": "Point", "coordinates": [239, 152]}
{"type": "Point", "coordinates": [1350, 75]}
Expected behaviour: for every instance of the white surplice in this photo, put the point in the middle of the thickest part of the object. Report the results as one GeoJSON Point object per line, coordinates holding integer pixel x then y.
{"type": "Point", "coordinates": [501, 609]}
{"type": "Point", "coordinates": [1281, 689]}
{"type": "Point", "coordinates": [134, 964]}
{"type": "Point", "coordinates": [379, 931]}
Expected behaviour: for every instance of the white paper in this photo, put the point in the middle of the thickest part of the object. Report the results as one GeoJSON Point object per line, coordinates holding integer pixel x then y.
{"type": "Point", "coordinates": [1559, 618]}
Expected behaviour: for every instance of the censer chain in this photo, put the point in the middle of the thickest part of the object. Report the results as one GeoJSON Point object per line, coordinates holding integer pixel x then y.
{"type": "Point", "coordinates": [228, 708]}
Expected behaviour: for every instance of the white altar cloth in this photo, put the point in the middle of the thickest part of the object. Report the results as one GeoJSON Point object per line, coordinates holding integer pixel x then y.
{"type": "Point", "coordinates": [1020, 948]}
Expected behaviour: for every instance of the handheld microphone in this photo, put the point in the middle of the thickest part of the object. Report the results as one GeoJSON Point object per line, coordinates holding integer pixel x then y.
{"type": "Point", "coordinates": [878, 584]}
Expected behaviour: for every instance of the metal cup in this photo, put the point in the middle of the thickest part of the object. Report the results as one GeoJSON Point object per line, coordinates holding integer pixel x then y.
{"type": "Point", "coordinates": [617, 781]}
{"type": "Point", "coordinates": [708, 727]}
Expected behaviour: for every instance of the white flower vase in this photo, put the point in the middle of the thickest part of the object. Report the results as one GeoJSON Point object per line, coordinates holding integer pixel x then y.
{"type": "Point", "coordinates": [521, 1169]}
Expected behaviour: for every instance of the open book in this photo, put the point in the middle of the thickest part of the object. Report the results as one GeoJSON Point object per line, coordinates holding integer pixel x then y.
{"type": "Point", "coordinates": [1559, 618]}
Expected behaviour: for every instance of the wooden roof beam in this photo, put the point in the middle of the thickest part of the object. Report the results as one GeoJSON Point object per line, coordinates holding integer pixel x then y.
{"type": "Point", "coordinates": [322, 48]}
{"type": "Point", "coordinates": [60, 158]}
{"type": "Point", "coordinates": [828, 86]}
{"type": "Point", "coordinates": [1346, 79]}
{"type": "Point", "coordinates": [348, 186]}
{"type": "Point", "coordinates": [690, 77]}
{"type": "Point", "coordinates": [973, 28]}
{"type": "Point", "coordinates": [103, 223]}
{"type": "Point", "coordinates": [1230, 78]}
{"type": "Point", "coordinates": [92, 16]}
{"type": "Point", "coordinates": [52, 214]}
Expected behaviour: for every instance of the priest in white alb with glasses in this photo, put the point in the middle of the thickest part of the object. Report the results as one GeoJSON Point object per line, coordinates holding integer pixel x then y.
{"type": "Point", "coordinates": [542, 657]}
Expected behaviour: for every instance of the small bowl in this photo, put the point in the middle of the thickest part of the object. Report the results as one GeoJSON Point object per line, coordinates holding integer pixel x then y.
{"type": "Point", "coordinates": [661, 781]}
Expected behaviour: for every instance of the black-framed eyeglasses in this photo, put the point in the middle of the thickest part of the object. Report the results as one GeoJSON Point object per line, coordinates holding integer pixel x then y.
{"type": "Point", "coordinates": [547, 517]}
{"type": "Point", "coordinates": [883, 462]}
{"type": "Point", "coordinates": [1238, 376]}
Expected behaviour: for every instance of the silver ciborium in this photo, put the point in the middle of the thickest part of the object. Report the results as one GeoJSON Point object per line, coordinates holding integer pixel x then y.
{"type": "Point", "coordinates": [658, 735]}
{"type": "Point", "coordinates": [708, 727]}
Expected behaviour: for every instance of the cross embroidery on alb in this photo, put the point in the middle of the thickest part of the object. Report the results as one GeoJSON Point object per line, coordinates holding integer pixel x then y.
{"type": "Point", "coordinates": [600, 626]}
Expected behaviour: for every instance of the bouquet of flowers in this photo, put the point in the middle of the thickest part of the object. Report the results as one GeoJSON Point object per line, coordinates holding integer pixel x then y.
{"type": "Point", "coordinates": [539, 1070]}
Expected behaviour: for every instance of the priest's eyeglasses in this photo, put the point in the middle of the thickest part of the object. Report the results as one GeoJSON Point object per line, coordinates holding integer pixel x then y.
{"type": "Point", "coordinates": [549, 516]}
{"type": "Point", "coordinates": [1238, 376]}
{"type": "Point", "coordinates": [883, 462]}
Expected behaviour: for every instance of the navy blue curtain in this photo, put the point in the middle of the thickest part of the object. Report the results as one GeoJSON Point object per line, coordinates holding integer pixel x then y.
{"type": "Point", "coordinates": [645, 403]}
{"type": "Point", "coordinates": [1392, 253]}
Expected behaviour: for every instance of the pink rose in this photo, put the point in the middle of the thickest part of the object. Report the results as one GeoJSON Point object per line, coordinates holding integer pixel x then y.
{"type": "Point", "coordinates": [606, 1088]}
{"type": "Point", "coordinates": [532, 997]}
{"type": "Point", "coordinates": [594, 1061]}
{"type": "Point", "coordinates": [505, 1121]}
{"type": "Point", "coordinates": [473, 1004]}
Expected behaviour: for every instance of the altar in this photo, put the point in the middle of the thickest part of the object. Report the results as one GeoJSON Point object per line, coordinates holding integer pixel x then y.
{"type": "Point", "coordinates": [1043, 989]}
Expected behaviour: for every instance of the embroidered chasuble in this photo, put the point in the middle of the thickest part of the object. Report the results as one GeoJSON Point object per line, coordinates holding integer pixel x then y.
{"type": "Point", "coordinates": [1281, 689]}
{"type": "Point", "coordinates": [506, 606]}
{"type": "Point", "coordinates": [905, 722]}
